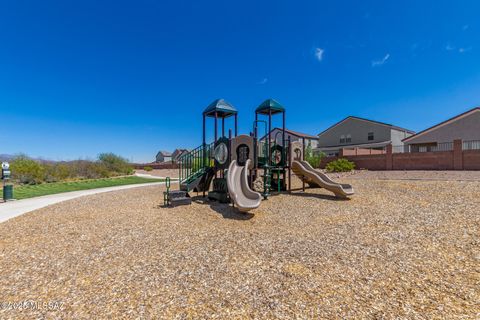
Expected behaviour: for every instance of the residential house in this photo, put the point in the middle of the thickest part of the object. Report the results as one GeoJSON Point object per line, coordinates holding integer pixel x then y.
{"type": "Point", "coordinates": [355, 132]}
{"type": "Point", "coordinates": [465, 127]}
{"type": "Point", "coordinates": [163, 156]}
{"type": "Point", "coordinates": [291, 135]}
{"type": "Point", "coordinates": [177, 153]}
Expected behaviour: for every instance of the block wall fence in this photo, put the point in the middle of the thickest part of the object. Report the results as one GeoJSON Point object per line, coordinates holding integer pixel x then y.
{"type": "Point", "coordinates": [456, 159]}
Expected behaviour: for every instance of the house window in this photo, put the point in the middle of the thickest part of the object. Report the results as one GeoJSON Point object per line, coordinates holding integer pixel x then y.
{"type": "Point", "coordinates": [349, 138]}
{"type": "Point", "coordinates": [342, 138]}
{"type": "Point", "coordinates": [370, 136]}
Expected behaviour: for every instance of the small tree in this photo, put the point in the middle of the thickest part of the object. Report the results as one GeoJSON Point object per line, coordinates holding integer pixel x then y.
{"type": "Point", "coordinates": [26, 170]}
{"type": "Point", "coordinates": [115, 164]}
{"type": "Point", "coordinates": [63, 171]}
{"type": "Point", "coordinates": [313, 158]}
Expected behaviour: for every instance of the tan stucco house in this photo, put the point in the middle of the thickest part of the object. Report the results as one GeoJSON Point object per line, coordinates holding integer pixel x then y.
{"type": "Point", "coordinates": [163, 156]}
{"type": "Point", "coordinates": [355, 132]}
{"type": "Point", "coordinates": [177, 153]}
{"type": "Point", "coordinates": [465, 127]}
{"type": "Point", "coordinates": [310, 140]}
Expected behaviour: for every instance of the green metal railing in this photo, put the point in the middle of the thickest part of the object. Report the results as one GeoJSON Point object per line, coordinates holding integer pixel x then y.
{"type": "Point", "coordinates": [194, 163]}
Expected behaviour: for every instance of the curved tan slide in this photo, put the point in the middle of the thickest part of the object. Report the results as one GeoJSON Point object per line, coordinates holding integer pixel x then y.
{"type": "Point", "coordinates": [237, 181]}
{"type": "Point", "coordinates": [305, 171]}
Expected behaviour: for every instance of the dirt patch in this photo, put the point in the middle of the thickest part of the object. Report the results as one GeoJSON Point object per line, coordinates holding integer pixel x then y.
{"type": "Point", "coordinates": [172, 173]}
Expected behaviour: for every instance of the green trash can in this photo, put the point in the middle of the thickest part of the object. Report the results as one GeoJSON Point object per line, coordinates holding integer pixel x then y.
{"type": "Point", "coordinates": [8, 192]}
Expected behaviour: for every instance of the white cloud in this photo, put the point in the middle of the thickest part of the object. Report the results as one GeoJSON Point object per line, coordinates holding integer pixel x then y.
{"type": "Point", "coordinates": [449, 47]}
{"type": "Point", "coordinates": [319, 53]}
{"type": "Point", "coordinates": [263, 81]}
{"type": "Point", "coordinates": [463, 50]}
{"type": "Point", "coordinates": [376, 63]}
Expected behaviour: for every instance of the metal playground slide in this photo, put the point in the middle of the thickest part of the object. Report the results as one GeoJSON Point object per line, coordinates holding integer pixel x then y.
{"type": "Point", "coordinates": [242, 196]}
{"type": "Point", "coordinates": [307, 173]}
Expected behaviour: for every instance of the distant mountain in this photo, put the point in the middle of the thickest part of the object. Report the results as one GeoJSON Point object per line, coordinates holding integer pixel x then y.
{"type": "Point", "coordinates": [10, 157]}
{"type": "Point", "coordinates": [6, 157]}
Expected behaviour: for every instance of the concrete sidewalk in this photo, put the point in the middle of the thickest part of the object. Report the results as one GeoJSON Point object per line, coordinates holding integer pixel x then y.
{"type": "Point", "coordinates": [13, 209]}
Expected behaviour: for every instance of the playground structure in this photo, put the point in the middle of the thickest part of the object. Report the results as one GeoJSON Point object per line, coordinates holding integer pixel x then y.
{"type": "Point", "coordinates": [233, 163]}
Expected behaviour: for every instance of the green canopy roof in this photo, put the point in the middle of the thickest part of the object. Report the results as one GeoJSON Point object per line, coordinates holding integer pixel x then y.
{"type": "Point", "coordinates": [221, 107]}
{"type": "Point", "coordinates": [270, 106]}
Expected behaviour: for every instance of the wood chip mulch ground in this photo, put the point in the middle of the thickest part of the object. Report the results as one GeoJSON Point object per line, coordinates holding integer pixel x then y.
{"type": "Point", "coordinates": [397, 249]}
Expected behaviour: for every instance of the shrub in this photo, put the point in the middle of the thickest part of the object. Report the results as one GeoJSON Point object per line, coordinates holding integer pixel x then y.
{"type": "Point", "coordinates": [29, 171]}
{"type": "Point", "coordinates": [115, 164]}
{"type": "Point", "coordinates": [340, 165]}
{"type": "Point", "coordinates": [26, 170]}
{"type": "Point", "coordinates": [147, 168]}
{"type": "Point", "coordinates": [96, 170]}
{"type": "Point", "coordinates": [63, 171]}
{"type": "Point", "coordinates": [313, 158]}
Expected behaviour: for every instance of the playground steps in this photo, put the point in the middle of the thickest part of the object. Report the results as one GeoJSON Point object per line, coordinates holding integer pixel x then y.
{"type": "Point", "coordinates": [178, 198]}
{"type": "Point", "coordinates": [192, 181]}
{"type": "Point", "coordinates": [194, 168]}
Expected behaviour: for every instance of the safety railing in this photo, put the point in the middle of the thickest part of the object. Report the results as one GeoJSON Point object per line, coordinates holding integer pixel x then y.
{"type": "Point", "coordinates": [261, 148]}
{"type": "Point", "coordinates": [193, 162]}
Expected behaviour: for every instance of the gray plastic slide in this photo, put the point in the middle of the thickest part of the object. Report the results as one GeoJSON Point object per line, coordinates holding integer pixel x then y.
{"type": "Point", "coordinates": [305, 171]}
{"type": "Point", "coordinates": [237, 181]}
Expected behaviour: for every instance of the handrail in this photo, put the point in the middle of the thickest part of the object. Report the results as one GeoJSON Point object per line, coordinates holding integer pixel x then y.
{"type": "Point", "coordinates": [194, 162]}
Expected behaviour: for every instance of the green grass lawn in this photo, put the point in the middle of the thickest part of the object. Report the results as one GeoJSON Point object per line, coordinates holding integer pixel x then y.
{"type": "Point", "coordinates": [30, 191]}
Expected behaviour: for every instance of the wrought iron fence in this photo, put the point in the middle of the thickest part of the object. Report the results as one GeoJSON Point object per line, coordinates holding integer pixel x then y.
{"type": "Point", "coordinates": [401, 149]}
{"type": "Point", "coordinates": [443, 146]}
{"type": "Point", "coordinates": [439, 147]}
{"type": "Point", "coordinates": [471, 145]}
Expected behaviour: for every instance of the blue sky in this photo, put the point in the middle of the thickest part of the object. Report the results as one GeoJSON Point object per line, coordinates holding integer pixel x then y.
{"type": "Point", "coordinates": [81, 77]}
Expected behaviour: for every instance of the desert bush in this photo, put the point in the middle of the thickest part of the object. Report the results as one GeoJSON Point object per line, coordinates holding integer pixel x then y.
{"type": "Point", "coordinates": [50, 174]}
{"type": "Point", "coordinates": [27, 171]}
{"type": "Point", "coordinates": [95, 170]}
{"type": "Point", "coordinates": [62, 171]}
{"type": "Point", "coordinates": [147, 168]}
{"type": "Point", "coordinates": [116, 165]}
{"type": "Point", "coordinates": [313, 158]}
{"type": "Point", "coordinates": [340, 165]}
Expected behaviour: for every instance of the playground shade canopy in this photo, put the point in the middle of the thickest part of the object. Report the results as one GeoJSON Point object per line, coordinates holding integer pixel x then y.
{"type": "Point", "coordinates": [221, 107]}
{"type": "Point", "coordinates": [270, 106]}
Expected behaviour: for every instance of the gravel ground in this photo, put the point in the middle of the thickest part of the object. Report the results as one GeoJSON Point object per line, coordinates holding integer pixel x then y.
{"type": "Point", "coordinates": [405, 249]}
{"type": "Point", "coordinates": [376, 175]}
